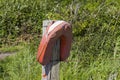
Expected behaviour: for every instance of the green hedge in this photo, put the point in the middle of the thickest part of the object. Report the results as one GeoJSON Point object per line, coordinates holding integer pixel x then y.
{"type": "Point", "coordinates": [96, 23]}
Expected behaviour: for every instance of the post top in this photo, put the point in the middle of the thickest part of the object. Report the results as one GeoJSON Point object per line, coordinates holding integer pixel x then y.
{"type": "Point", "coordinates": [46, 22]}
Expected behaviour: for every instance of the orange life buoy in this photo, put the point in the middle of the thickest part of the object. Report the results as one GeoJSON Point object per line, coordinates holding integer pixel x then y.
{"type": "Point", "coordinates": [56, 30]}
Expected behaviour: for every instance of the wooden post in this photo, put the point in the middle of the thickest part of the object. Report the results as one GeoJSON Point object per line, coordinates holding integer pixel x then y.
{"type": "Point", "coordinates": [51, 70]}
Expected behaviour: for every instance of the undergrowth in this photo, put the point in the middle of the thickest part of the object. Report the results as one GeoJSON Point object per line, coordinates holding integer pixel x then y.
{"type": "Point", "coordinates": [21, 66]}
{"type": "Point", "coordinates": [80, 65]}
{"type": "Point", "coordinates": [12, 48]}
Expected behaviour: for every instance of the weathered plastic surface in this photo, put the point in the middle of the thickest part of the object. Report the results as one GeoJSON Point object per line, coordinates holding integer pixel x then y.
{"type": "Point", "coordinates": [55, 30]}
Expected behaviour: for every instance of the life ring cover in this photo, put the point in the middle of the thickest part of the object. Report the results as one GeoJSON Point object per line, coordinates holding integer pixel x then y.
{"type": "Point", "coordinates": [55, 30]}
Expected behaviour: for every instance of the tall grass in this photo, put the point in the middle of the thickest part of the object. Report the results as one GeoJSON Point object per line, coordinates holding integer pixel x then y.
{"type": "Point", "coordinates": [87, 66]}
{"type": "Point", "coordinates": [21, 66]}
{"type": "Point", "coordinates": [80, 66]}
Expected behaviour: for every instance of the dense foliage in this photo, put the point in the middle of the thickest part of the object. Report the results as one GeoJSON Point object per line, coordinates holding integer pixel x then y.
{"type": "Point", "coordinates": [19, 17]}
{"type": "Point", "coordinates": [95, 24]}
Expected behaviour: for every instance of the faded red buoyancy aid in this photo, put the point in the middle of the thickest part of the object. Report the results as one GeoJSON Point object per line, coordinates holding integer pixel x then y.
{"type": "Point", "coordinates": [56, 30]}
